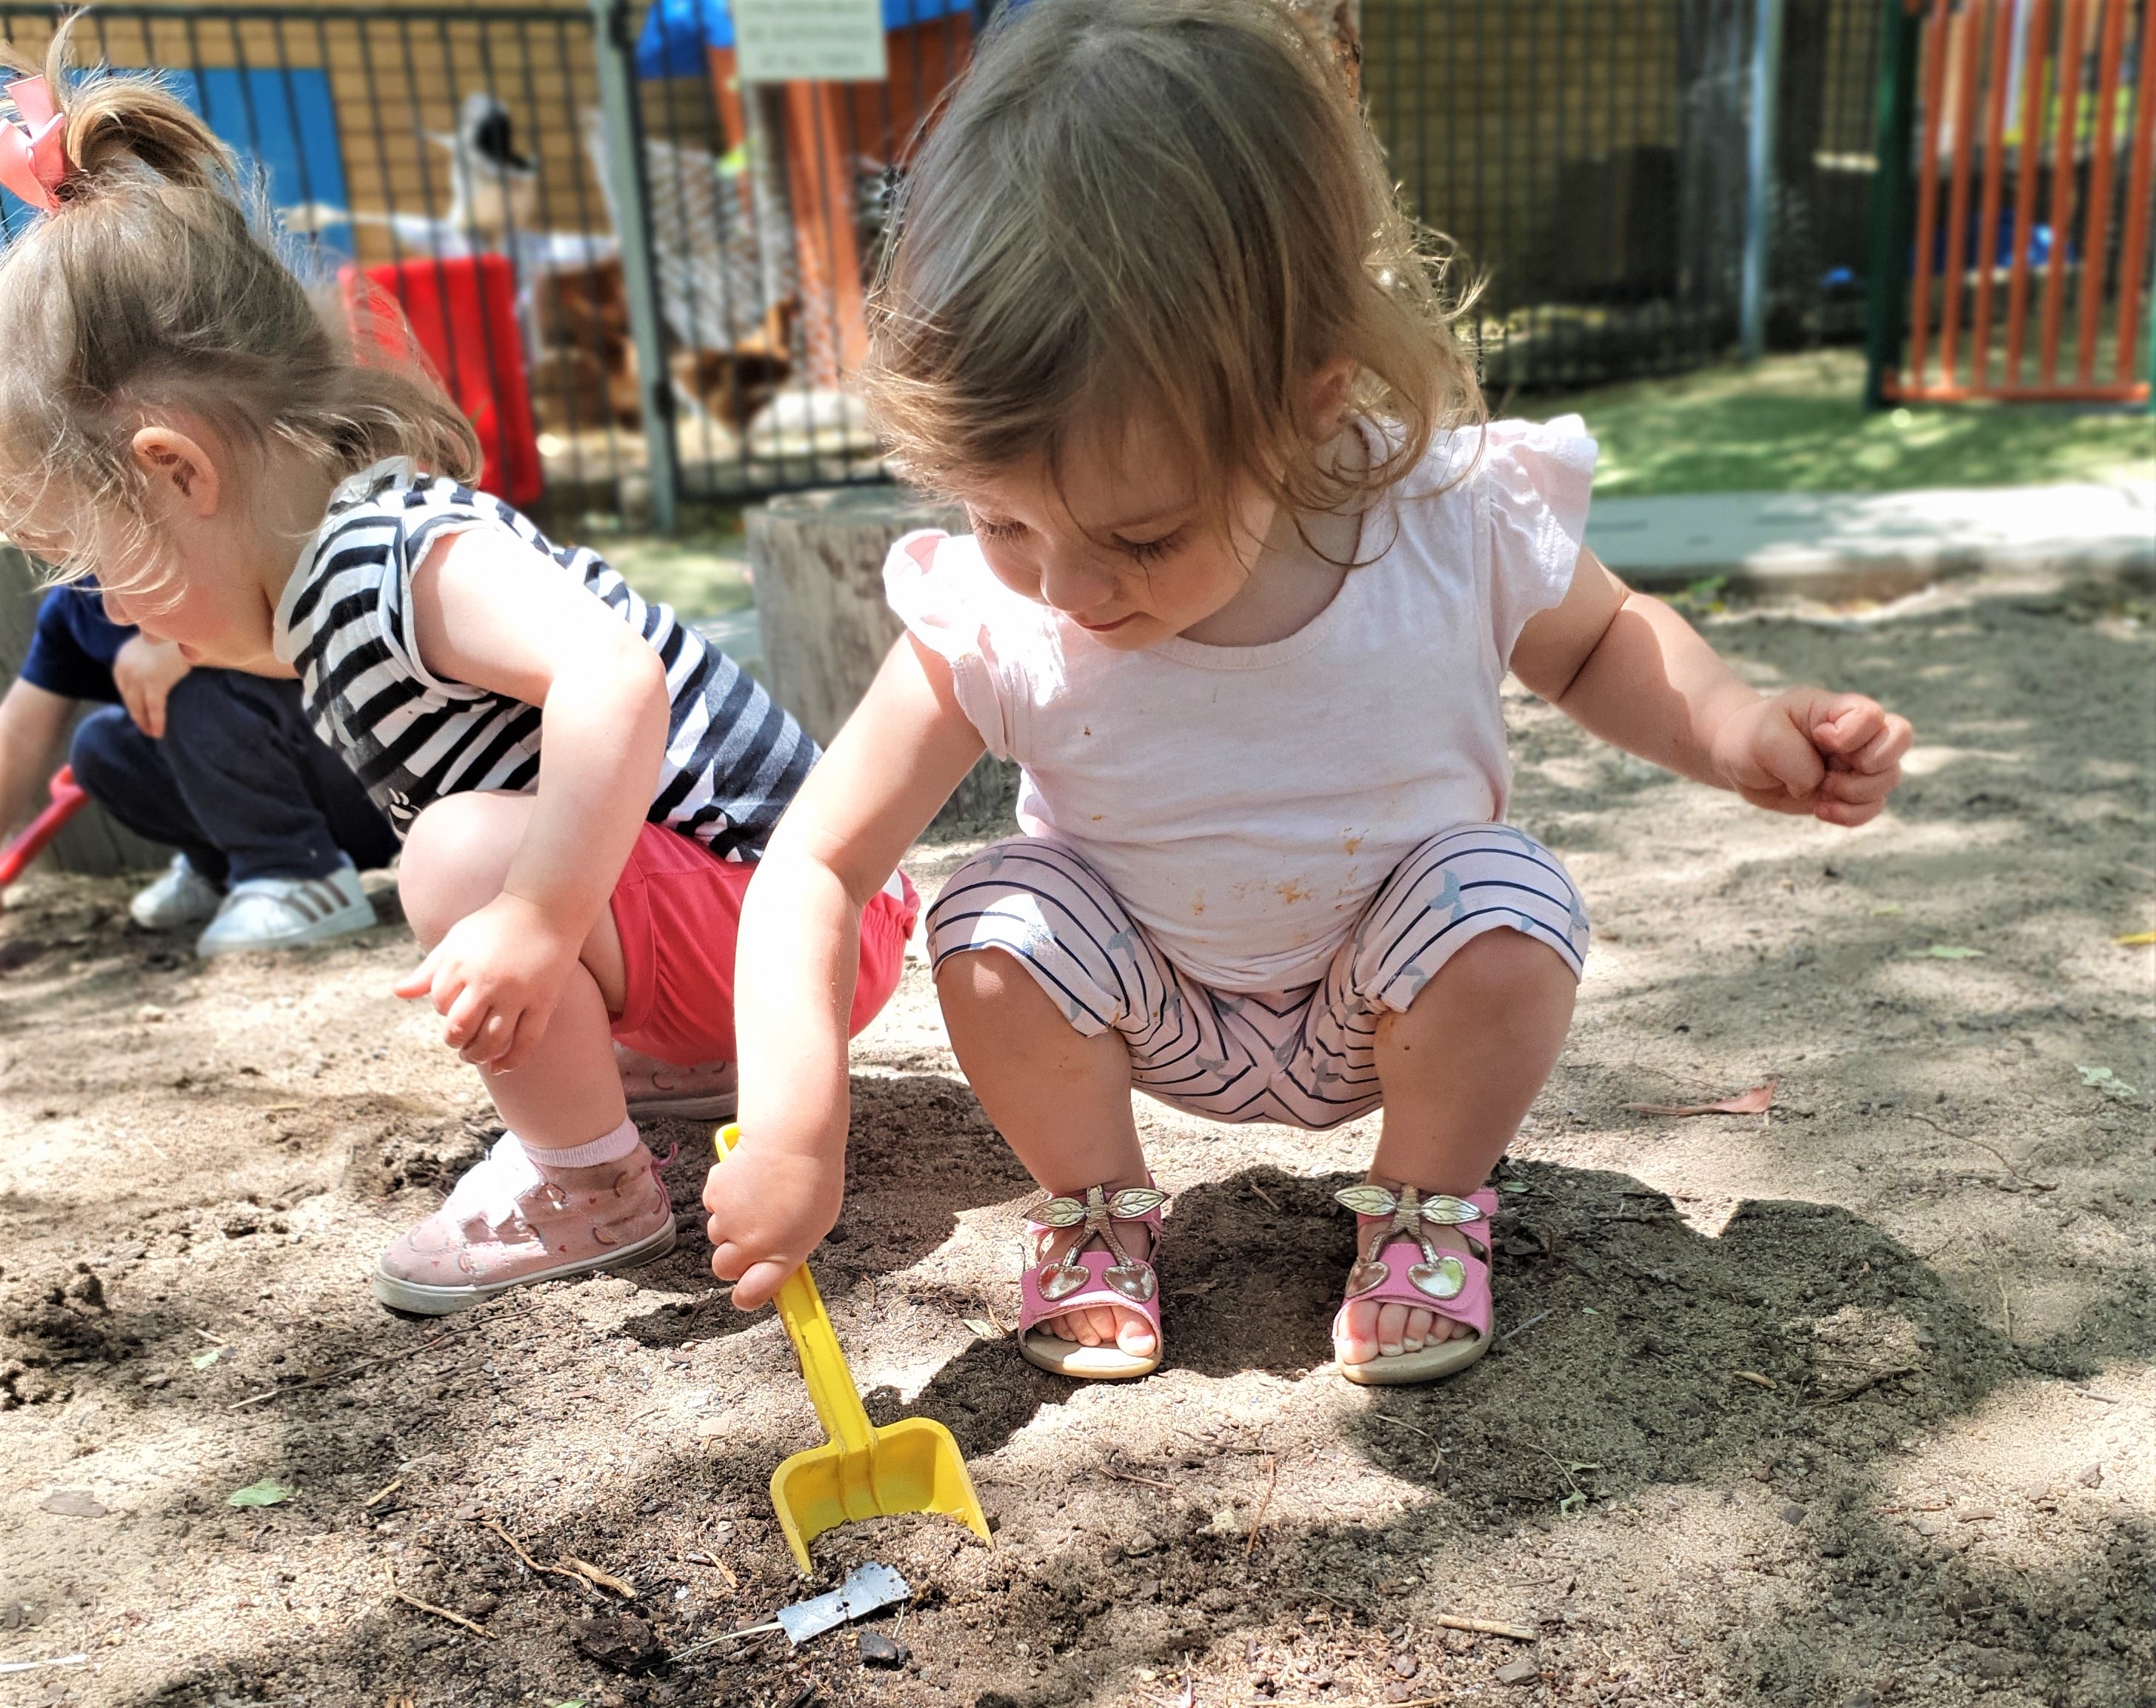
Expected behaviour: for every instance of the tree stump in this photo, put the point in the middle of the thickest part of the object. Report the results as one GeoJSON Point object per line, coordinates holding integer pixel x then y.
{"type": "Point", "coordinates": [92, 841]}
{"type": "Point", "coordinates": [817, 558]}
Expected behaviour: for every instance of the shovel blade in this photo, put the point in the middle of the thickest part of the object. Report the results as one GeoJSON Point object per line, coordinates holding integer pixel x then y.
{"type": "Point", "coordinates": [913, 1465]}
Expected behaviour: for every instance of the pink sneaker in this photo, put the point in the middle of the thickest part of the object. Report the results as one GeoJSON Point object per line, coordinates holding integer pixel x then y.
{"type": "Point", "coordinates": [653, 1088]}
{"type": "Point", "coordinates": [505, 1225]}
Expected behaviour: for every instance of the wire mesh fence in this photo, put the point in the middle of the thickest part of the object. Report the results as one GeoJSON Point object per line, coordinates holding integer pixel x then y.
{"type": "Point", "coordinates": [1588, 158]}
{"type": "Point", "coordinates": [462, 160]}
{"type": "Point", "coordinates": [645, 279]}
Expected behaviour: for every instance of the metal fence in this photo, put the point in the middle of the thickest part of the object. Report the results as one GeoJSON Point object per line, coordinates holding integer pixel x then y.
{"type": "Point", "coordinates": [643, 279]}
{"type": "Point", "coordinates": [1589, 157]}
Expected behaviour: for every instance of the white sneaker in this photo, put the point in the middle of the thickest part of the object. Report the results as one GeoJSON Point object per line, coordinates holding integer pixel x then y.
{"type": "Point", "coordinates": [653, 1088]}
{"type": "Point", "coordinates": [281, 913]}
{"type": "Point", "coordinates": [181, 897]}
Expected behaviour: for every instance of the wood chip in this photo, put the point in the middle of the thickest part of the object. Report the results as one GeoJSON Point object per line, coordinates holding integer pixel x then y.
{"type": "Point", "coordinates": [1272, 1477]}
{"type": "Point", "coordinates": [600, 1576]}
{"type": "Point", "coordinates": [1487, 1628]}
{"type": "Point", "coordinates": [1755, 1378]}
{"type": "Point", "coordinates": [714, 1561]}
{"type": "Point", "coordinates": [382, 1494]}
{"type": "Point", "coordinates": [1977, 1515]}
{"type": "Point", "coordinates": [72, 1503]}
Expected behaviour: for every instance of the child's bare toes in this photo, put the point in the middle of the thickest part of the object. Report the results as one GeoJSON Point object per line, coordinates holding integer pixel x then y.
{"type": "Point", "coordinates": [1392, 1327]}
{"type": "Point", "coordinates": [1358, 1335]}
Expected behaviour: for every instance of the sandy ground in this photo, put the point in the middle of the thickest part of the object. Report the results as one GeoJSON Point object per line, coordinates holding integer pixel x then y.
{"type": "Point", "coordinates": [1852, 1403]}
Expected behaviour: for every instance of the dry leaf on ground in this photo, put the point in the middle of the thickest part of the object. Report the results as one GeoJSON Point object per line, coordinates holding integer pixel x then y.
{"type": "Point", "coordinates": [1756, 1101]}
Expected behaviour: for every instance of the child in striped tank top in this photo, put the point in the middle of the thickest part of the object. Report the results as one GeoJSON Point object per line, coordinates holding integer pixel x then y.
{"type": "Point", "coordinates": [1246, 572]}
{"type": "Point", "coordinates": [584, 786]}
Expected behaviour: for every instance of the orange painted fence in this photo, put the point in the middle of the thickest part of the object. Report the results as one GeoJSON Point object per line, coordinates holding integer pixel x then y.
{"type": "Point", "coordinates": [2035, 142]}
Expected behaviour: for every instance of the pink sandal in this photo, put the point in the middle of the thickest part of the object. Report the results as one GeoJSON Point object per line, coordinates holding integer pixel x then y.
{"type": "Point", "coordinates": [1397, 1263]}
{"type": "Point", "coordinates": [1096, 1270]}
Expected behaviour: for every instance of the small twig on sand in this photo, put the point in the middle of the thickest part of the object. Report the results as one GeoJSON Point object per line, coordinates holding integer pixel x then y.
{"type": "Point", "coordinates": [382, 1493]}
{"type": "Point", "coordinates": [2088, 1393]}
{"type": "Point", "coordinates": [1402, 1423]}
{"type": "Point", "coordinates": [1266, 1196]}
{"type": "Point", "coordinates": [1523, 1328]}
{"type": "Point", "coordinates": [533, 1565]}
{"type": "Point", "coordinates": [1150, 1482]}
{"type": "Point", "coordinates": [1936, 1126]}
{"type": "Point", "coordinates": [1488, 1627]}
{"type": "Point", "coordinates": [2005, 1304]}
{"type": "Point", "coordinates": [364, 1364]}
{"type": "Point", "coordinates": [1272, 1478]}
{"type": "Point", "coordinates": [718, 1564]}
{"type": "Point", "coordinates": [598, 1575]}
{"type": "Point", "coordinates": [428, 1607]}
{"type": "Point", "coordinates": [728, 1636]}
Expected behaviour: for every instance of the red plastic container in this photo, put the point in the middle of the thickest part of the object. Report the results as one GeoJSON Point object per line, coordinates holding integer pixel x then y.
{"type": "Point", "coordinates": [463, 315]}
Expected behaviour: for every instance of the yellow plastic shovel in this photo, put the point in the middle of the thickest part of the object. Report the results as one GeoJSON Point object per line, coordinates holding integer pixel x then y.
{"type": "Point", "coordinates": [913, 1465]}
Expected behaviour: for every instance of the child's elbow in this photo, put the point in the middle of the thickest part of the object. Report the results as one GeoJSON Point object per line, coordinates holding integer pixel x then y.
{"type": "Point", "coordinates": [643, 672]}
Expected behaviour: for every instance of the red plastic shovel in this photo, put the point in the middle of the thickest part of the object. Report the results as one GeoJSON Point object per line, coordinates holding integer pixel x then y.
{"type": "Point", "coordinates": [68, 797]}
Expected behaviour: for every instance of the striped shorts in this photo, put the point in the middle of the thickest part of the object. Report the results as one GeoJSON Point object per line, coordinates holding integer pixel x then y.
{"type": "Point", "coordinates": [1307, 1057]}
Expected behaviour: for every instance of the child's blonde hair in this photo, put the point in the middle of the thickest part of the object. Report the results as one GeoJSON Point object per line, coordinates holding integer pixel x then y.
{"type": "Point", "coordinates": [1165, 206]}
{"type": "Point", "coordinates": [148, 290]}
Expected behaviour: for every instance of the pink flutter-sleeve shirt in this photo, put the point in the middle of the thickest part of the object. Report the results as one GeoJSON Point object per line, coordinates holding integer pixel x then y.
{"type": "Point", "coordinates": [1245, 802]}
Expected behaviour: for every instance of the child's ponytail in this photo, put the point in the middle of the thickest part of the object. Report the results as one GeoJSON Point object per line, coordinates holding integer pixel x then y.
{"type": "Point", "coordinates": [117, 124]}
{"type": "Point", "coordinates": [149, 287]}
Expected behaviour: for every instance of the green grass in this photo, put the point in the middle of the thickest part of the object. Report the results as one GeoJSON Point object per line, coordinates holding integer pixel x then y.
{"type": "Point", "coordinates": [1793, 423]}
{"type": "Point", "coordinates": [1797, 424]}
{"type": "Point", "coordinates": [702, 572]}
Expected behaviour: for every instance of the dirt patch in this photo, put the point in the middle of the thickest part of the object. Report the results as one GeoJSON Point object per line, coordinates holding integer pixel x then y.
{"type": "Point", "coordinates": [1849, 1403]}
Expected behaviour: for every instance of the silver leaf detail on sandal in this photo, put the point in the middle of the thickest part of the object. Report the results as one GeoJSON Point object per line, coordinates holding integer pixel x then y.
{"type": "Point", "coordinates": [1451, 1212]}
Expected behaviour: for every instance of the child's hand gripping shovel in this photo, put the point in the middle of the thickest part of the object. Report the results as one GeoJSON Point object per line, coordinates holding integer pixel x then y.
{"type": "Point", "coordinates": [913, 1465]}
{"type": "Point", "coordinates": [69, 799]}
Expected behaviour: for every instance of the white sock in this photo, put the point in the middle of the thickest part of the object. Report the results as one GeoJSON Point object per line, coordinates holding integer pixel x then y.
{"type": "Point", "coordinates": [608, 1148]}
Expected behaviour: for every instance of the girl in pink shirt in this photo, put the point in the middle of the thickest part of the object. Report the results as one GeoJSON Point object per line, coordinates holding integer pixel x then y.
{"type": "Point", "coordinates": [1246, 571]}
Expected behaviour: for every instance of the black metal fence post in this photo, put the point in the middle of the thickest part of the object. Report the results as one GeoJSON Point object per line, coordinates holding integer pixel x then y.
{"type": "Point", "coordinates": [1889, 200]}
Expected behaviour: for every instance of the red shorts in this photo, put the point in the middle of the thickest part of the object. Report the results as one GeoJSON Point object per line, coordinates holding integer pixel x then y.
{"type": "Point", "coordinates": [677, 907]}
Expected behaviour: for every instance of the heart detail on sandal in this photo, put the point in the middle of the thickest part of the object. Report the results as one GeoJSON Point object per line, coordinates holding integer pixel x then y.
{"type": "Point", "coordinates": [1442, 1279]}
{"type": "Point", "coordinates": [1062, 1280]}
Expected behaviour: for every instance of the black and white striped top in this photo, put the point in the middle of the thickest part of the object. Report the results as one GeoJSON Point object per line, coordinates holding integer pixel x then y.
{"type": "Point", "coordinates": [734, 758]}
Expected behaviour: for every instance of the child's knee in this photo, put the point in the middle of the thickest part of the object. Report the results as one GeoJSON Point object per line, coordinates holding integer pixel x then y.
{"type": "Point", "coordinates": [1500, 968]}
{"type": "Point", "coordinates": [455, 859]}
{"type": "Point", "coordinates": [985, 976]}
{"type": "Point", "coordinates": [98, 752]}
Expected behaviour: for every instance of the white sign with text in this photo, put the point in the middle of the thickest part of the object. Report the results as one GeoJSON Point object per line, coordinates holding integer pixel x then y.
{"type": "Point", "coordinates": [828, 41]}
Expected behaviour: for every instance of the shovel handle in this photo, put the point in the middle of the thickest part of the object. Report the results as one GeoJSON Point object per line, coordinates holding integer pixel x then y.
{"type": "Point", "coordinates": [831, 1387]}
{"type": "Point", "coordinates": [68, 798]}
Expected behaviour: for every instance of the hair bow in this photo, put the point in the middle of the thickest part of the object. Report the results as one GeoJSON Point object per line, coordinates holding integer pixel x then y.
{"type": "Point", "coordinates": [33, 159]}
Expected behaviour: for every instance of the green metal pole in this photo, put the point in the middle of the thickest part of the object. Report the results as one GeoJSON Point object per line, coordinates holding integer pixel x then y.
{"type": "Point", "coordinates": [1759, 177]}
{"type": "Point", "coordinates": [1885, 310]}
{"type": "Point", "coordinates": [616, 57]}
